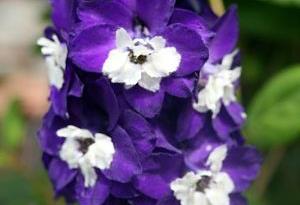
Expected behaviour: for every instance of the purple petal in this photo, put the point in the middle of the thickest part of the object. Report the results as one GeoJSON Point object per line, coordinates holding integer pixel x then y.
{"type": "Point", "coordinates": [162, 143]}
{"type": "Point", "coordinates": [200, 147]}
{"type": "Point", "coordinates": [71, 87]}
{"type": "Point", "coordinates": [236, 111]}
{"type": "Point", "coordinates": [60, 174]}
{"type": "Point", "coordinates": [121, 190]}
{"type": "Point", "coordinates": [102, 94]}
{"type": "Point", "coordinates": [170, 200]}
{"type": "Point", "coordinates": [237, 199]}
{"type": "Point", "coordinates": [95, 195]}
{"type": "Point", "coordinates": [189, 45]}
{"type": "Point", "coordinates": [48, 140]}
{"type": "Point", "coordinates": [192, 20]}
{"type": "Point", "coordinates": [156, 183]}
{"type": "Point", "coordinates": [223, 123]}
{"type": "Point", "coordinates": [225, 40]}
{"type": "Point", "coordinates": [143, 200]}
{"type": "Point", "coordinates": [189, 123]}
{"type": "Point", "coordinates": [140, 132]}
{"type": "Point", "coordinates": [178, 87]}
{"type": "Point", "coordinates": [90, 48]}
{"type": "Point", "coordinates": [243, 165]}
{"type": "Point", "coordinates": [59, 101]}
{"type": "Point", "coordinates": [63, 14]}
{"type": "Point", "coordinates": [106, 12]}
{"type": "Point", "coordinates": [145, 102]}
{"type": "Point", "coordinates": [155, 13]}
{"type": "Point", "coordinates": [126, 162]}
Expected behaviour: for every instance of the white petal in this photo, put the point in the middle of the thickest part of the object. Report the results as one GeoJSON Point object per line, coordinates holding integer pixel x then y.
{"type": "Point", "coordinates": [115, 62]}
{"type": "Point", "coordinates": [158, 42]}
{"type": "Point", "coordinates": [149, 83]}
{"type": "Point", "coordinates": [228, 59]}
{"type": "Point", "coordinates": [44, 42]}
{"type": "Point", "coordinates": [55, 73]}
{"type": "Point", "coordinates": [118, 68]}
{"type": "Point", "coordinates": [123, 39]}
{"type": "Point", "coordinates": [229, 95]}
{"type": "Point", "coordinates": [235, 74]}
{"type": "Point", "coordinates": [74, 132]}
{"type": "Point", "coordinates": [165, 62]}
{"type": "Point", "coordinates": [223, 182]}
{"type": "Point", "coordinates": [217, 197]}
{"type": "Point", "coordinates": [200, 199]}
{"type": "Point", "coordinates": [88, 172]}
{"type": "Point", "coordinates": [216, 158]}
{"type": "Point", "coordinates": [70, 153]}
{"type": "Point", "coordinates": [101, 152]}
{"type": "Point", "coordinates": [183, 187]}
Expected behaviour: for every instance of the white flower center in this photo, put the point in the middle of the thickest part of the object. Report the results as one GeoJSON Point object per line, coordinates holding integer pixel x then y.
{"type": "Point", "coordinates": [206, 187]}
{"type": "Point", "coordinates": [55, 54]}
{"type": "Point", "coordinates": [86, 151]}
{"type": "Point", "coordinates": [142, 61]}
{"type": "Point", "coordinates": [219, 86]}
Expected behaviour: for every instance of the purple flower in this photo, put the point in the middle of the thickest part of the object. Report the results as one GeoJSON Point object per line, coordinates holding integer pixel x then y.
{"type": "Point", "coordinates": [217, 81]}
{"type": "Point", "coordinates": [54, 46]}
{"type": "Point", "coordinates": [143, 108]}
{"type": "Point", "coordinates": [226, 172]}
{"type": "Point", "coordinates": [140, 46]}
{"type": "Point", "coordinates": [88, 155]}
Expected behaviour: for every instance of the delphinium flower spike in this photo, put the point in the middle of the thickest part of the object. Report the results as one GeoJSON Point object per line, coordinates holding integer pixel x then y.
{"type": "Point", "coordinates": [143, 108]}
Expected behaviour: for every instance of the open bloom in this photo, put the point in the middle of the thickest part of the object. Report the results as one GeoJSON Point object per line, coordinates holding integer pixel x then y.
{"type": "Point", "coordinates": [141, 43]}
{"type": "Point", "coordinates": [84, 150]}
{"type": "Point", "coordinates": [142, 61]}
{"type": "Point", "coordinates": [219, 86]}
{"type": "Point", "coordinates": [208, 187]}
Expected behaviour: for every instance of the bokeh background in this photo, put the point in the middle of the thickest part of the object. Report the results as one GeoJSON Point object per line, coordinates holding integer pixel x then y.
{"type": "Point", "coordinates": [269, 42]}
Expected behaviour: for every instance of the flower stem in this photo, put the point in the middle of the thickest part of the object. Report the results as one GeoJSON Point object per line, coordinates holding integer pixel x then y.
{"type": "Point", "coordinates": [272, 161]}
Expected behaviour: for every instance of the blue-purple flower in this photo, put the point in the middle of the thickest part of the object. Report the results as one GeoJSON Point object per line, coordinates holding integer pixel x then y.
{"type": "Point", "coordinates": [143, 107]}
{"type": "Point", "coordinates": [154, 51]}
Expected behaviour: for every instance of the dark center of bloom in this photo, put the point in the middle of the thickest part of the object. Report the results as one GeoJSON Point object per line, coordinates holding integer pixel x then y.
{"type": "Point", "coordinates": [203, 183]}
{"type": "Point", "coordinates": [84, 144]}
{"type": "Point", "coordinates": [139, 26]}
{"type": "Point", "coordinates": [141, 59]}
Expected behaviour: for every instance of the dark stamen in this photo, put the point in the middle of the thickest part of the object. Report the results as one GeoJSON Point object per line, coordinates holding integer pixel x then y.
{"type": "Point", "coordinates": [141, 59]}
{"type": "Point", "coordinates": [84, 144]}
{"type": "Point", "coordinates": [203, 183]}
{"type": "Point", "coordinates": [138, 22]}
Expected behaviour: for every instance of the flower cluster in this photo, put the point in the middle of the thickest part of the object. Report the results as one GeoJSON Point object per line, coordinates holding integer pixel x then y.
{"type": "Point", "coordinates": [143, 108]}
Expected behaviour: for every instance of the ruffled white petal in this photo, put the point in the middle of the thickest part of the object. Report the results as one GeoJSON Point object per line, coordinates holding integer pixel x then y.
{"type": "Point", "coordinates": [149, 83]}
{"type": "Point", "coordinates": [88, 172]}
{"type": "Point", "coordinates": [216, 192]}
{"type": "Point", "coordinates": [55, 74]}
{"type": "Point", "coordinates": [72, 131]}
{"type": "Point", "coordinates": [142, 61]}
{"type": "Point", "coordinates": [123, 39]}
{"type": "Point", "coordinates": [216, 158]}
{"type": "Point", "coordinates": [219, 87]}
{"type": "Point", "coordinates": [165, 62]}
{"type": "Point", "coordinates": [70, 153]}
{"type": "Point", "coordinates": [118, 68]}
{"type": "Point", "coordinates": [101, 153]}
{"type": "Point", "coordinates": [55, 53]}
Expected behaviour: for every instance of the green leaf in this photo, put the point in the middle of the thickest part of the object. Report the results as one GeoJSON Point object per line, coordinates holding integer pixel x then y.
{"type": "Point", "coordinates": [13, 127]}
{"type": "Point", "coordinates": [274, 113]}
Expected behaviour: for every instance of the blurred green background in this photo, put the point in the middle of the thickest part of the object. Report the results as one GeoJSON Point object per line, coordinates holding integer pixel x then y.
{"type": "Point", "coordinates": [270, 46]}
